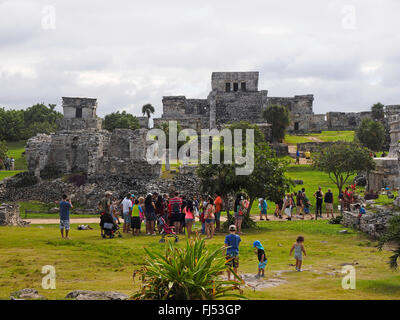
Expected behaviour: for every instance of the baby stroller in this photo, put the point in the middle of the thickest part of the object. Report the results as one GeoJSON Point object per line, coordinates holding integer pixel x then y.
{"type": "Point", "coordinates": [166, 230]}
{"type": "Point", "coordinates": [109, 226]}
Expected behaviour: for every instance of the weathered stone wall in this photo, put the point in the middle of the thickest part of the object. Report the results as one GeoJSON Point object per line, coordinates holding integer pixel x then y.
{"type": "Point", "coordinates": [238, 106]}
{"type": "Point", "coordinates": [296, 105]}
{"type": "Point", "coordinates": [219, 80]}
{"type": "Point", "coordinates": [174, 105]}
{"type": "Point", "coordinates": [345, 121]}
{"type": "Point", "coordinates": [374, 224]}
{"type": "Point", "coordinates": [9, 215]}
{"type": "Point", "coordinates": [88, 106]}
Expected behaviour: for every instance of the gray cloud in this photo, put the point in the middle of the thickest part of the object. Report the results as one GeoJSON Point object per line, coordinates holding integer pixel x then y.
{"type": "Point", "coordinates": [128, 53]}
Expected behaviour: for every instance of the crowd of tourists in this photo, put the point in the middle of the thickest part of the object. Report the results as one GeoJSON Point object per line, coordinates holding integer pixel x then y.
{"type": "Point", "coordinates": [180, 213]}
{"type": "Point", "coordinates": [298, 205]}
{"type": "Point", "coordinates": [177, 211]}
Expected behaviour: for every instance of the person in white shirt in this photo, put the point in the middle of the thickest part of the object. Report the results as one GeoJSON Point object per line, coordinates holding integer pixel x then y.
{"type": "Point", "coordinates": [126, 212]}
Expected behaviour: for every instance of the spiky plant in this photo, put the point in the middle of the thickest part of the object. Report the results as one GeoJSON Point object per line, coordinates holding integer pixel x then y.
{"type": "Point", "coordinates": [189, 273]}
{"type": "Point", "coordinates": [392, 236]}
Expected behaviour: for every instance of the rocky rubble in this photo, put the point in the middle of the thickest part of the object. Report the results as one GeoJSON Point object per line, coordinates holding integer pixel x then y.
{"type": "Point", "coordinates": [26, 294]}
{"type": "Point", "coordinates": [90, 193]}
{"type": "Point", "coordinates": [96, 295]}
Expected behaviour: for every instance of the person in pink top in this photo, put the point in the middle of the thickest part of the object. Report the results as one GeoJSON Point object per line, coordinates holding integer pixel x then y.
{"type": "Point", "coordinates": [189, 216]}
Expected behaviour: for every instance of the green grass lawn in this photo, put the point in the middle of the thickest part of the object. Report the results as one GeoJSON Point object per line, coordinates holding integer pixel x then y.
{"type": "Point", "coordinates": [16, 150]}
{"type": "Point", "coordinates": [326, 136]}
{"type": "Point", "coordinates": [88, 262]}
{"type": "Point", "coordinates": [6, 174]}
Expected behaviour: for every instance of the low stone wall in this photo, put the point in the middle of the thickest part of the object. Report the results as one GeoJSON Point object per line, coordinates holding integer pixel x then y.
{"type": "Point", "coordinates": [374, 224]}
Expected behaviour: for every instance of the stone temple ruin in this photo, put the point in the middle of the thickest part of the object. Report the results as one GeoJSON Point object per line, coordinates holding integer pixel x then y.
{"type": "Point", "coordinates": [387, 171]}
{"type": "Point", "coordinates": [235, 96]}
{"type": "Point", "coordinates": [81, 146]}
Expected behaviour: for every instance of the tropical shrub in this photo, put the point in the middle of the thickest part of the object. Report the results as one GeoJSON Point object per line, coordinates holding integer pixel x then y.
{"type": "Point", "coordinates": [392, 236]}
{"type": "Point", "coordinates": [190, 273]}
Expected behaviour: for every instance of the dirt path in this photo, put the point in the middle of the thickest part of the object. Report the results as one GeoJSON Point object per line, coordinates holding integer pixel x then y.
{"type": "Point", "coordinates": [97, 220]}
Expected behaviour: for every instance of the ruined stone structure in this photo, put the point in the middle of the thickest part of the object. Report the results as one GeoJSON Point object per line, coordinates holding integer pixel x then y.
{"type": "Point", "coordinates": [387, 171]}
{"type": "Point", "coordinates": [374, 224]}
{"type": "Point", "coordinates": [81, 146]}
{"type": "Point", "coordinates": [235, 96]}
{"type": "Point", "coordinates": [9, 215]}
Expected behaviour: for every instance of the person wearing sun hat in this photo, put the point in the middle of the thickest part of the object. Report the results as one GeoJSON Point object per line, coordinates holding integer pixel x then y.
{"type": "Point", "coordinates": [262, 259]}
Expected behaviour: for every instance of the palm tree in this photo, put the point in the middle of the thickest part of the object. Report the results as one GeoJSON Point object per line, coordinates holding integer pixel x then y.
{"type": "Point", "coordinates": [148, 109]}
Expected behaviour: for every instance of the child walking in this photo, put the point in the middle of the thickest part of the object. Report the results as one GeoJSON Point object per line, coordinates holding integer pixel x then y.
{"type": "Point", "coordinates": [299, 249]}
{"type": "Point", "coordinates": [262, 259]}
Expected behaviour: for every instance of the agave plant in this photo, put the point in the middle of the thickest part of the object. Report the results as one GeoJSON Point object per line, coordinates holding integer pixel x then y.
{"type": "Point", "coordinates": [392, 236]}
{"type": "Point", "coordinates": [190, 273]}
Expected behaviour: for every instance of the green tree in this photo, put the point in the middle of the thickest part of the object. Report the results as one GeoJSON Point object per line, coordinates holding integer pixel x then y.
{"type": "Point", "coordinates": [342, 160]}
{"type": "Point", "coordinates": [267, 179]}
{"type": "Point", "coordinates": [378, 111]}
{"type": "Point", "coordinates": [392, 236]}
{"type": "Point", "coordinates": [371, 134]}
{"type": "Point", "coordinates": [12, 124]}
{"type": "Point", "coordinates": [278, 116]}
{"type": "Point", "coordinates": [148, 109]}
{"type": "Point", "coordinates": [121, 120]}
{"type": "Point", "coordinates": [3, 152]}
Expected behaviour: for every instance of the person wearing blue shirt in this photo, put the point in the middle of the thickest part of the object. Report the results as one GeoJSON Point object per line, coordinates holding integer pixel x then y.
{"type": "Point", "coordinates": [65, 205]}
{"type": "Point", "coordinates": [263, 208]}
{"type": "Point", "coordinates": [232, 241]}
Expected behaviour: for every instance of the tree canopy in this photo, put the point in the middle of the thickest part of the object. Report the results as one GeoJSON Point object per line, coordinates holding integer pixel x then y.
{"type": "Point", "coordinates": [378, 111]}
{"type": "Point", "coordinates": [343, 160]}
{"type": "Point", "coordinates": [278, 116]}
{"type": "Point", "coordinates": [267, 180]}
{"type": "Point", "coordinates": [148, 110]}
{"type": "Point", "coordinates": [371, 134]}
{"type": "Point", "coordinates": [18, 125]}
{"type": "Point", "coordinates": [120, 120]}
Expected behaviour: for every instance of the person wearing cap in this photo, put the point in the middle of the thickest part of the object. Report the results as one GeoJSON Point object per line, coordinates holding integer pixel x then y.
{"type": "Point", "coordinates": [232, 241]}
{"type": "Point", "coordinates": [262, 259]}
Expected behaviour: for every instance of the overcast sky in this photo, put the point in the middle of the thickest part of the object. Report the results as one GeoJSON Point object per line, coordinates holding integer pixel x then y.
{"type": "Point", "coordinates": [128, 53]}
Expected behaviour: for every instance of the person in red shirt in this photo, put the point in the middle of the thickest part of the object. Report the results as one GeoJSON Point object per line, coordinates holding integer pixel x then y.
{"type": "Point", "coordinates": [218, 209]}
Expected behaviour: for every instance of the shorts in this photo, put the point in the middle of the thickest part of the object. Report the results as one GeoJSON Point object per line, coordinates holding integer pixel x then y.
{"type": "Point", "coordinates": [210, 220]}
{"type": "Point", "coordinates": [217, 216]}
{"type": "Point", "coordinates": [64, 224]}
{"type": "Point", "coordinates": [298, 257]}
{"type": "Point", "coordinates": [264, 212]}
{"type": "Point", "coordinates": [306, 210]}
{"type": "Point", "coordinates": [232, 261]}
{"type": "Point", "coordinates": [127, 217]}
{"type": "Point", "coordinates": [135, 223]}
{"type": "Point", "coordinates": [262, 265]}
{"type": "Point", "coordinates": [189, 220]}
{"type": "Point", "coordinates": [151, 217]}
{"type": "Point", "coordinates": [329, 206]}
{"type": "Point", "coordinates": [239, 217]}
